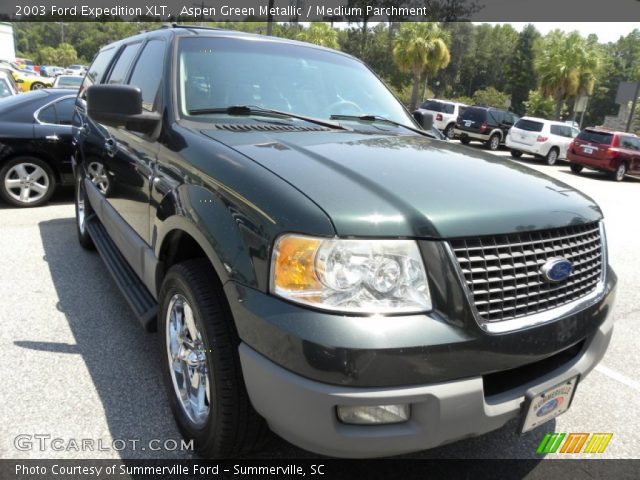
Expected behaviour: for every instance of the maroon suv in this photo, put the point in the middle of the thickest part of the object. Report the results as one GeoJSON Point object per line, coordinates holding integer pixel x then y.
{"type": "Point", "coordinates": [614, 152]}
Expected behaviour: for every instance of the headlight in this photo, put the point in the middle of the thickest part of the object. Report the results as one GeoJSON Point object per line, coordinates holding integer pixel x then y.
{"type": "Point", "coordinates": [359, 276]}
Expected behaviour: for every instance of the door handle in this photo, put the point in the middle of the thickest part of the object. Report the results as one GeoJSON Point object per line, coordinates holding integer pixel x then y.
{"type": "Point", "coordinates": [52, 138]}
{"type": "Point", "coordinates": [110, 146]}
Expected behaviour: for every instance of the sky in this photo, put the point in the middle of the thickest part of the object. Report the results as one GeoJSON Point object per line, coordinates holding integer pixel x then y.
{"type": "Point", "coordinates": [606, 31]}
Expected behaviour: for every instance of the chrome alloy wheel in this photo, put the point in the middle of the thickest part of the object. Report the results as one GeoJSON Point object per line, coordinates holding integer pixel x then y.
{"type": "Point", "coordinates": [188, 361]}
{"type": "Point", "coordinates": [98, 176]}
{"type": "Point", "coordinates": [26, 182]}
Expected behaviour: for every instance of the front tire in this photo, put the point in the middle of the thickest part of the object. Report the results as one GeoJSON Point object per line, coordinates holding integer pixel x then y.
{"type": "Point", "coordinates": [552, 156]}
{"type": "Point", "coordinates": [26, 182]}
{"type": "Point", "coordinates": [516, 153]}
{"type": "Point", "coordinates": [201, 365]}
{"type": "Point", "coordinates": [494, 142]}
{"type": "Point", "coordinates": [37, 86]}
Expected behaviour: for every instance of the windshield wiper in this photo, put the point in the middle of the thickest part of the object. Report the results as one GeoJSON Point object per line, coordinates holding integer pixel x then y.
{"type": "Point", "coordinates": [247, 110]}
{"type": "Point", "coordinates": [378, 118]}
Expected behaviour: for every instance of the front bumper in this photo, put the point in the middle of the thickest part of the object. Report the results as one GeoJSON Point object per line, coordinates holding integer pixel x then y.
{"type": "Point", "coordinates": [303, 411]}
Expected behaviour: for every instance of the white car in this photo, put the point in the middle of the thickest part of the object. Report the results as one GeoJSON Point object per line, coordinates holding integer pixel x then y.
{"type": "Point", "coordinates": [75, 70]}
{"type": "Point", "coordinates": [68, 81]}
{"type": "Point", "coordinates": [541, 138]}
{"type": "Point", "coordinates": [445, 114]}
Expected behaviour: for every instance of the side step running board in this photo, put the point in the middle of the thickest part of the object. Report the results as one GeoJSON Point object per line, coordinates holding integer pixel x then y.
{"type": "Point", "coordinates": [140, 300]}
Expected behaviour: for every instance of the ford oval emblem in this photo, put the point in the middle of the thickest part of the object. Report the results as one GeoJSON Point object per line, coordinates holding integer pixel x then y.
{"type": "Point", "coordinates": [556, 269]}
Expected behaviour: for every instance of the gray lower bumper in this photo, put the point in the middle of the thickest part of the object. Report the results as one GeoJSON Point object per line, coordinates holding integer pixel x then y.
{"type": "Point", "coordinates": [472, 135]}
{"type": "Point", "coordinates": [304, 411]}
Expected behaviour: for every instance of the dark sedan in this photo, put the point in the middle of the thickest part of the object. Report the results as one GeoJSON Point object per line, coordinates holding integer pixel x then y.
{"type": "Point", "coordinates": [35, 145]}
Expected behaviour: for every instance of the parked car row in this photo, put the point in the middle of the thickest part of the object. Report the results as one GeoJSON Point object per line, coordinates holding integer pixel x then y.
{"type": "Point", "coordinates": [617, 153]}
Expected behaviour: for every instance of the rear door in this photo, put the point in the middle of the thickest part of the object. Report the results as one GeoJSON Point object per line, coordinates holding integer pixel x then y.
{"type": "Point", "coordinates": [561, 136]}
{"type": "Point", "coordinates": [630, 149]}
{"type": "Point", "coordinates": [53, 133]}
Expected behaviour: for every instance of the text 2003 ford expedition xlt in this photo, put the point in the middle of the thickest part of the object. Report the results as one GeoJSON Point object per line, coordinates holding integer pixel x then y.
{"type": "Point", "coordinates": [316, 263]}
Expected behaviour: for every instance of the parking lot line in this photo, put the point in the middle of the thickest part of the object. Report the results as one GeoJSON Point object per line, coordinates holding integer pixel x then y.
{"type": "Point", "coordinates": [618, 377]}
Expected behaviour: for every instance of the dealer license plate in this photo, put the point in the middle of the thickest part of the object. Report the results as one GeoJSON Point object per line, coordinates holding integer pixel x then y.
{"type": "Point", "coordinates": [587, 150]}
{"type": "Point", "coordinates": [542, 407]}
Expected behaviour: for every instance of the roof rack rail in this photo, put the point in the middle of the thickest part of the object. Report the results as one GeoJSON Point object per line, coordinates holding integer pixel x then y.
{"type": "Point", "coordinates": [189, 27]}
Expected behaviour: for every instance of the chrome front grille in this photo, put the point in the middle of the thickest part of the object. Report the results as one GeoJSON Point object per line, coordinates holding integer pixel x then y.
{"type": "Point", "coordinates": [503, 274]}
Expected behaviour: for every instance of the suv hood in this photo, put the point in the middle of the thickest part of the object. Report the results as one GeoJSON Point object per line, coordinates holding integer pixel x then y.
{"type": "Point", "coordinates": [375, 184]}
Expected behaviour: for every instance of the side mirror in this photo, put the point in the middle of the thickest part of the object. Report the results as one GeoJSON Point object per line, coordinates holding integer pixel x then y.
{"type": "Point", "coordinates": [425, 120]}
{"type": "Point", "coordinates": [120, 106]}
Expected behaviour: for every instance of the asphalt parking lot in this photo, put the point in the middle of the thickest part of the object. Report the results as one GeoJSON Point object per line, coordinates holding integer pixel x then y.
{"type": "Point", "coordinates": [76, 365]}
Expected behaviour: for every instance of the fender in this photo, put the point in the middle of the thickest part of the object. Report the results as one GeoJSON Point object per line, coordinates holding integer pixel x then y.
{"type": "Point", "coordinates": [224, 231]}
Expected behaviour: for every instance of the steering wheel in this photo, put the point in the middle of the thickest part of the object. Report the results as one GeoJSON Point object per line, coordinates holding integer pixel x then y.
{"type": "Point", "coordinates": [341, 104]}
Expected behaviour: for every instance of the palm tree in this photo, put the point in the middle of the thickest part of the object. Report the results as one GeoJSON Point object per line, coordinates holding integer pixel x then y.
{"type": "Point", "coordinates": [420, 49]}
{"type": "Point", "coordinates": [567, 65]}
{"type": "Point", "coordinates": [320, 33]}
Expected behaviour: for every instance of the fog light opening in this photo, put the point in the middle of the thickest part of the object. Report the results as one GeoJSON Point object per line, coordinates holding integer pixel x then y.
{"type": "Point", "coordinates": [373, 414]}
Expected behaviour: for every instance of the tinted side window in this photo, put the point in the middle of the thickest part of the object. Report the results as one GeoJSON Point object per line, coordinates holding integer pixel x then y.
{"type": "Point", "coordinates": [120, 69]}
{"type": "Point", "coordinates": [48, 115]}
{"type": "Point", "coordinates": [65, 109]}
{"type": "Point", "coordinates": [559, 130]}
{"type": "Point", "coordinates": [147, 72]}
{"type": "Point", "coordinates": [629, 143]}
{"type": "Point", "coordinates": [496, 116]}
{"type": "Point", "coordinates": [97, 69]}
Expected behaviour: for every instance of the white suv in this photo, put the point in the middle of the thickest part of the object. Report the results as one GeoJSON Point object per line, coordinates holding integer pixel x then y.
{"type": "Point", "coordinates": [444, 114]}
{"type": "Point", "coordinates": [541, 138]}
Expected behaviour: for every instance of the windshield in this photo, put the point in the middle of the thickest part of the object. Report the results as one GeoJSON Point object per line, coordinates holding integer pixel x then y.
{"type": "Point", "coordinates": [220, 72]}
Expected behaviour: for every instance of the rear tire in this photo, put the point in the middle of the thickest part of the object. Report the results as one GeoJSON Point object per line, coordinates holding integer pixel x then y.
{"type": "Point", "coordinates": [37, 86]}
{"type": "Point", "coordinates": [575, 168]}
{"type": "Point", "coordinates": [83, 211]}
{"type": "Point", "coordinates": [26, 182]}
{"type": "Point", "coordinates": [516, 153]}
{"type": "Point", "coordinates": [221, 421]}
{"type": "Point", "coordinates": [552, 156]}
{"type": "Point", "coordinates": [494, 142]}
{"type": "Point", "coordinates": [620, 172]}
{"type": "Point", "coordinates": [448, 131]}
{"type": "Point", "coordinates": [465, 141]}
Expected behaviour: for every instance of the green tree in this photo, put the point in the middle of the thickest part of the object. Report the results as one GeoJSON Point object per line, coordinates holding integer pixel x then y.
{"type": "Point", "coordinates": [320, 33]}
{"type": "Point", "coordinates": [521, 72]}
{"type": "Point", "coordinates": [47, 56]}
{"type": "Point", "coordinates": [539, 105]}
{"type": "Point", "coordinates": [491, 97]}
{"type": "Point", "coordinates": [420, 49]}
{"type": "Point", "coordinates": [567, 65]}
{"type": "Point", "coordinates": [65, 55]}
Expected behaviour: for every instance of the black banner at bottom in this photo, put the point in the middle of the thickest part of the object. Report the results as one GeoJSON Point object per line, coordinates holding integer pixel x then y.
{"type": "Point", "coordinates": [327, 469]}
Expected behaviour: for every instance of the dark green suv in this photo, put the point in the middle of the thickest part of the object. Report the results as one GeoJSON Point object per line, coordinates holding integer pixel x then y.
{"type": "Point", "coordinates": [316, 263]}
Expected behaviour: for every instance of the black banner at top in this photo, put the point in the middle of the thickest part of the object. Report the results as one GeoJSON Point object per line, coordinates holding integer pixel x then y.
{"type": "Point", "coordinates": [321, 10]}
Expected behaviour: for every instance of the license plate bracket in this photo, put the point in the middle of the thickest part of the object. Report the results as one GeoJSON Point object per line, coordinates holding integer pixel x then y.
{"type": "Point", "coordinates": [541, 406]}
